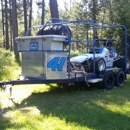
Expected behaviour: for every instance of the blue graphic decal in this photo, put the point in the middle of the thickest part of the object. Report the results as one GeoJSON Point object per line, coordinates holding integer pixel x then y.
{"type": "Point", "coordinates": [56, 63]}
{"type": "Point", "coordinates": [33, 46]}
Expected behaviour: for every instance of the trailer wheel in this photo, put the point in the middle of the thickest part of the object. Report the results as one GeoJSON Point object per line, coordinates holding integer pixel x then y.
{"type": "Point", "coordinates": [120, 78]}
{"type": "Point", "coordinates": [109, 80]}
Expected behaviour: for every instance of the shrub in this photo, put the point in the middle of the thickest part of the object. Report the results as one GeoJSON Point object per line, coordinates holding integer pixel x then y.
{"type": "Point", "coordinates": [2, 40]}
{"type": "Point", "coordinates": [8, 66]}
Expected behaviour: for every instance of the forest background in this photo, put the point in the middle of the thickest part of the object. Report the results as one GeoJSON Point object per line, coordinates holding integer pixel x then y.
{"type": "Point", "coordinates": [16, 16]}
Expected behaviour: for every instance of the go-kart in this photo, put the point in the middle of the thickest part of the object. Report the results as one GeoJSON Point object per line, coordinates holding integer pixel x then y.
{"type": "Point", "coordinates": [102, 55]}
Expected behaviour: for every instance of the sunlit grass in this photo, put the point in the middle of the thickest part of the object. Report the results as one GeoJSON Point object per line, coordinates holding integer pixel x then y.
{"type": "Point", "coordinates": [52, 107]}
{"type": "Point", "coordinates": [9, 69]}
{"type": "Point", "coordinates": [30, 118]}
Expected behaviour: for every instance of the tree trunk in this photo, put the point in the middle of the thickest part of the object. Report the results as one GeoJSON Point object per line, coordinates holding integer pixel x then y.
{"type": "Point", "coordinates": [6, 25]}
{"type": "Point", "coordinates": [94, 10]}
{"type": "Point", "coordinates": [3, 25]}
{"type": "Point", "coordinates": [10, 24]}
{"type": "Point", "coordinates": [25, 16]}
{"type": "Point", "coordinates": [43, 12]}
{"type": "Point", "coordinates": [2, 16]}
{"type": "Point", "coordinates": [54, 10]}
{"type": "Point", "coordinates": [111, 13]}
{"type": "Point", "coordinates": [30, 15]}
{"type": "Point", "coordinates": [14, 26]}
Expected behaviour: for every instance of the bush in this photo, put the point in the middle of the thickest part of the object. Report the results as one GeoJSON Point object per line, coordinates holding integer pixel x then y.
{"type": "Point", "coordinates": [2, 40]}
{"type": "Point", "coordinates": [8, 65]}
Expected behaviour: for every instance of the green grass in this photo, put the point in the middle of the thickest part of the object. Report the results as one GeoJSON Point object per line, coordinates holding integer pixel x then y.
{"type": "Point", "coordinates": [8, 66]}
{"type": "Point", "coordinates": [52, 107]}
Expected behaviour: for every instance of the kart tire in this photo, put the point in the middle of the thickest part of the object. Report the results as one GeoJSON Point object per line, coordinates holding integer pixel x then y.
{"type": "Point", "coordinates": [109, 80]}
{"type": "Point", "coordinates": [121, 64]}
{"type": "Point", "coordinates": [98, 62]}
{"type": "Point", "coordinates": [56, 30]}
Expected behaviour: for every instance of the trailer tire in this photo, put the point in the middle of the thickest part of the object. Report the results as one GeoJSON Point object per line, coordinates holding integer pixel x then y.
{"type": "Point", "coordinates": [120, 78]}
{"type": "Point", "coordinates": [109, 80]}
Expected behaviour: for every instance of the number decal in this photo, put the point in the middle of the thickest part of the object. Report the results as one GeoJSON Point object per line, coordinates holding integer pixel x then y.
{"type": "Point", "coordinates": [56, 62]}
{"type": "Point", "coordinates": [62, 61]}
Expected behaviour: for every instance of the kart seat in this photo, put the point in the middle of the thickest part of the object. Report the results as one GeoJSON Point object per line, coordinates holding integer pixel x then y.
{"type": "Point", "coordinates": [97, 50]}
{"type": "Point", "coordinates": [108, 45]}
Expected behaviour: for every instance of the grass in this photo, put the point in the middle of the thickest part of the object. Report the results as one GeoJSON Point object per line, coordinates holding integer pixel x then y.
{"type": "Point", "coordinates": [52, 107]}
{"type": "Point", "coordinates": [8, 66]}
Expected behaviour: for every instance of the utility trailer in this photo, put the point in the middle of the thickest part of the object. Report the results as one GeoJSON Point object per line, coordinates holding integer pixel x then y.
{"type": "Point", "coordinates": [46, 56]}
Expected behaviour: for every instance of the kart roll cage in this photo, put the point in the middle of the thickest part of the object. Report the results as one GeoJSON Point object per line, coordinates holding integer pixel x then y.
{"type": "Point", "coordinates": [87, 25]}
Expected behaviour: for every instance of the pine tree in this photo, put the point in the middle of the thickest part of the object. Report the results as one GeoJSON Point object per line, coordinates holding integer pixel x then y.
{"type": "Point", "coordinates": [14, 25]}
{"type": "Point", "coordinates": [54, 9]}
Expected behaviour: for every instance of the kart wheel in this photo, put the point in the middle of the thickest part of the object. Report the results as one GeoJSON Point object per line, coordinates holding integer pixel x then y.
{"type": "Point", "coordinates": [120, 78]}
{"type": "Point", "coordinates": [120, 63]}
{"type": "Point", "coordinates": [127, 66]}
{"type": "Point", "coordinates": [100, 65]}
{"type": "Point", "coordinates": [109, 80]}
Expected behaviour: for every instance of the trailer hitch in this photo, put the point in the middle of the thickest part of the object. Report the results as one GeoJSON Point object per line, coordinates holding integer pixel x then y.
{"type": "Point", "coordinates": [7, 87]}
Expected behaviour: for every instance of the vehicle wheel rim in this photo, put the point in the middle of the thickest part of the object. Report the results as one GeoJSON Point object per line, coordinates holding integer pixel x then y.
{"type": "Point", "coordinates": [121, 78]}
{"type": "Point", "coordinates": [110, 80]}
{"type": "Point", "coordinates": [127, 64]}
{"type": "Point", "coordinates": [101, 65]}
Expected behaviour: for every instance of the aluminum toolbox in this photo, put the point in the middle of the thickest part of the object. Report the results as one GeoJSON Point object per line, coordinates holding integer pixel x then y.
{"type": "Point", "coordinates": [39, 43]}
{"type": "Point", "coordinates": [38, 52]}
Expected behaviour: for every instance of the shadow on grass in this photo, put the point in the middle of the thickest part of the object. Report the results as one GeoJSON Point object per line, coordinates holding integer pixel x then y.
{"type": "Point", "coordinates": [79, 86]}
{"type": "Point", "coordinates": [78, 105]}
{"type": "Point", "coordinates": [4, 121]}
